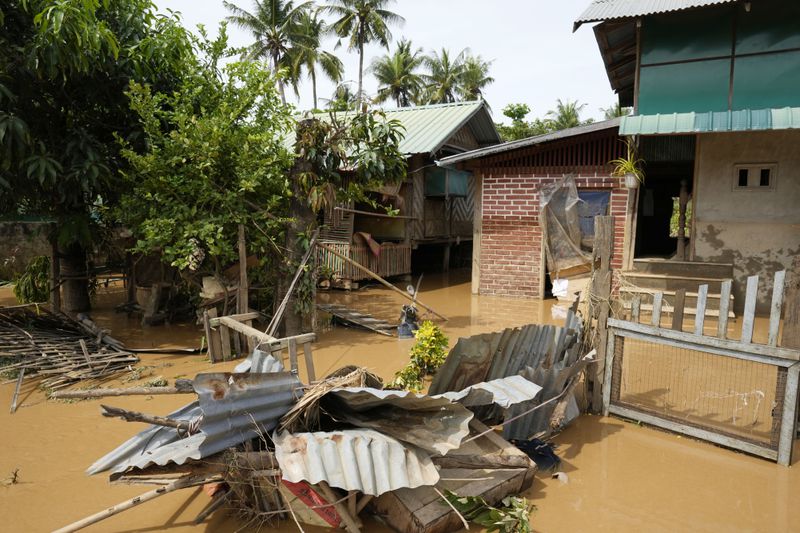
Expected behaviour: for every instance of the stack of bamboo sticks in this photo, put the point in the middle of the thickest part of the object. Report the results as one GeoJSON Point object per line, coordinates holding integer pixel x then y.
{"type": "Point", "coordinates": [56, 348]}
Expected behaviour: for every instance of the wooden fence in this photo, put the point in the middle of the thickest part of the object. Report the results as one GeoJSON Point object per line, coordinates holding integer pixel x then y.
{"type": "Point", "coordinates": [733, 392]}
{"type": "Point", "coordinates": [231, 337]}
{"type": "Point", "coordinates": [392, 260]}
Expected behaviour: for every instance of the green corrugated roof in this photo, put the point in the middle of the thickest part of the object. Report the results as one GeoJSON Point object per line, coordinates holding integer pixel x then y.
{"type": "Point", "coordinates": [616, 9]}
{"type": "Point", "coordinates": [743, 120]}
{"type": "Point", "coordinates": [427, 128]}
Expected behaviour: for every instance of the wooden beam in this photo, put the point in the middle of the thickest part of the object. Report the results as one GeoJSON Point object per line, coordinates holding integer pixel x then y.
{"type": "Point", "coordinates": [677, 309]}
{"type": "Point", "coordinates": [790, 337]}
{"type": "Point", "coordinates": [724, 307]}
{"type": "Point", "coordinates": [182, 386]}
{"type": "Point", "coordinates": [751, 297]}
{"type": "Point", "coordinates": [775, 308]}
{"type": "Point", "coordinates": [700, 313]}
{"type": "Point", "coordinates": [380, 279]}
{"type": "Point", "coordinates": [601, 292]}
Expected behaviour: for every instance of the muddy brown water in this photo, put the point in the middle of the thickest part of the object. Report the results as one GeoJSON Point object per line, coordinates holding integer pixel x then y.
{"type": "Point", "coordinates": [621, 477]}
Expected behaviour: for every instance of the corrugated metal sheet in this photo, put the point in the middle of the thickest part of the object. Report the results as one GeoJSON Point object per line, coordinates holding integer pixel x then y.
{"type": "Point", "coordinates": [616, 9]}
{"type": "Point", "coordinates": [259, 362]}
{"type": "Point", "coordinates": [434, 424]}
{"type": "Point", "coordinates": [357, 459]}
{"type": "Point", "coordinates": [427, 128]}
{"type": "Point", "coordinates": [742, 120]}
{"type": "Point", "coordinates": [504, 392]}
{"type": "Point", "coordinates": [233, 407]}
{"type": "Point", "coordinates": [530, 141]}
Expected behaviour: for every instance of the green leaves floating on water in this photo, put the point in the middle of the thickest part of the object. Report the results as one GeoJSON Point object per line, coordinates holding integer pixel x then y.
{"type": "Point", "coordinates": [512, 517]}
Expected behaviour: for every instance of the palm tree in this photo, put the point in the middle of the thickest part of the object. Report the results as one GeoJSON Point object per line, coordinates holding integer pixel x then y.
{"type": "Point", "coordinates": [475, 78]}
{"type": "Point", "coordinates": [274, 24]}
{"type": "Point", "coordinates": [396, 74]}
{"type": "Point", "coordinates": [566, 115]}
{"type": "Point", "coordinates": [363, 21]}
{"type": "Point", "coordinates": [343, 99]}
{"type": "Point", "coordinates": [309, 55]}
{"type": "Point", "coordinates": [615, 110]}
{"type": "Point", "coordinates": [445, 76]}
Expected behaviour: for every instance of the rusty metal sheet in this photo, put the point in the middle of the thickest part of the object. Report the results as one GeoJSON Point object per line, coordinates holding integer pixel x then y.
{"type": "Point", "coordinates": [231, 409]}
{"type": "Point", "coordinates": [353, 459]}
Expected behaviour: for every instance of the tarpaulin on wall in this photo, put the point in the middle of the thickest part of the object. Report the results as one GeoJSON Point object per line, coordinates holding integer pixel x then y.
{"type": "Point", "coordinates": [560, 222]}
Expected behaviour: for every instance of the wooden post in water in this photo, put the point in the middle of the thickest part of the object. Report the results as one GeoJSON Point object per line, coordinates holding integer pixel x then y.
{"type": "Point", "coordinates": [601, 293]}
{"type": "Point", "coordinates": [791, 305]}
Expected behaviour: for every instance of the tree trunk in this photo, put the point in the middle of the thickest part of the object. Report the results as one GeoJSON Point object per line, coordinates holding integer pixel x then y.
{"type": "Point", "coordinates": [360, 75]}
{"type": "Point", "coordinates": [314, 86]}
{"type": "Point", "coordinates": [75, 278]}
{"type": "Point", "coordinates": [302, 220]}
{"type": "Point", "coordinates": [281, 89]}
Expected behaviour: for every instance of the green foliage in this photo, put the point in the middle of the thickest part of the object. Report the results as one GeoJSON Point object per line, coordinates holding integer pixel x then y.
{"type": "Point", "coordinates": [397, 75]}
{"type": "Point", "coordinates": [64, 69]}
{"type": "Point", "coordinates": [630, 164]}
{"type": "Point", "coordinates": [427, 355]}
{"type": "Point", "coordinates": [520, 128]}
{"type": "Point", "coordinates": [33, 285]}
{"type": "Point", "coordinates": [512, 517]}
{"type": "Point", "coordinates": [615, 110]}
{"type": "Point", "coordinates": [214, 159]}
{"type": "Point", "coordinates": [566, 115]}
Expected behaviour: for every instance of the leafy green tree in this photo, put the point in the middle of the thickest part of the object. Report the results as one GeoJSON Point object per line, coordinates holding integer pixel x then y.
{"type": "Point", "coordinates": [474, 78]}
{"type": "Point", "coordinates": [309, 54]}
{"type": "Point", "coordinates": [64, 70]}
{"type": "Point", "coordinates": [363, 22]}
{"type": "Point", "coordinates": [397, 75]}
{"type": "Point", "coordinates": [615, 110]}
{"type": "Point", "coordinates": [343, 99]}
{"type": "Point", "coordinates": [521, 128]}
{"type": "Point", "coordinates": [566, 114]}
{"type": "Point", "coordinates": [215, 159]}
{"type": "Point", "coordinates": [444, 77]}
{"type": "Point", "coordinates": [275, 25]}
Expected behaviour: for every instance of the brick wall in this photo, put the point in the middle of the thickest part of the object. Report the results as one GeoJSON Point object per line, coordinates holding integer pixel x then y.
{"type": "Point", "coordinates": [511, 256]}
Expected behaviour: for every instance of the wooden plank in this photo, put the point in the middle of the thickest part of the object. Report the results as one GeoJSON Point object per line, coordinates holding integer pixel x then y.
{"type": "Point", "coordinates": [225, 339]}
{"type": "Point", "coordinates": [732, 346]}
{"type": "Point", "coordinates": [243, 317]}
{"type": "Point", "coordinates": [658, 298]}
{"type": "Point", "coordinates": [215, 339]}
{"type": "Point", "coordinates": [312, 375]}
{"type": "Point", "coordinates": [601, 289]}
{"type": "Point", "coordinates": [789, 416]}
{"type": "Point", "coordinates": [724, 306]}
{"type": "Point", "coordinates": [249, 331]}
{"type": "Point", "coordinates": [280, 344]}
{"type": "Point", "coordinates": [359, 319]}
{"type": "Point", "coordinates": [293, 355]}
{"type": "Point", "coordinates": [610, 349]}
{"type": "Point", "coordinates": [716, 438]}
{"type": "Point", "coordinates": [207, 331]}
{"type": "Point", "coordinates": [748, 320]}
{"type": "Point", "coordinates": [790, 338]}
{"type": "Point", "coordinates": [636, 308]}
{"type": "Point", "coordinates": [237, 345]}
{"type": "Point", "coordinates": [677, 309]}
{"type": "Point", "coordinates": [700, 314]}
{"type": "Point", "coordinates": [242, 297]}
{"type": "Point", "coordinates": [776, 307]}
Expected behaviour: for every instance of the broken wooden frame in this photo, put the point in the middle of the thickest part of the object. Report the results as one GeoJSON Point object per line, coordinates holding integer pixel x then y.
{"type": "Point", "coordinates": [225, 336]}
{"type": "Point", "coordinates": [775, 443]}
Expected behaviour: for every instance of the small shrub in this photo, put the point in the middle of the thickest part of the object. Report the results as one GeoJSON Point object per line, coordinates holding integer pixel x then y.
{"type": "Point", "coordinates": [33, 285]}
{"type": "Point", "coordinates": [427, 355]}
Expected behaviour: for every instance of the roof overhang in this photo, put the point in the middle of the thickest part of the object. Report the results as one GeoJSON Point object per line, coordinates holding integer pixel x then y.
{"type": "Point", "coordinates": [723, 121]}
{"type": "Point", "coordinates": [530, 141]}
{"type": "Point", "coordinates": [617, 42]}
{"type": "Point", "coordinates": [605, 10]}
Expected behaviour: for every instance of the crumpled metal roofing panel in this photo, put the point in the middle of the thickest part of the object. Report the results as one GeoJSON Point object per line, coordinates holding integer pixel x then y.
{"type": "Point", "coordinates": [353, 459]}
{"type": "Point", "coordinates": [434, 424]}
{"type": "Point", "coordinates": [722, 121]}
{"type": "Point", "coordinates": [504, 392]}
{"type": "Point", "coordinates": [233, 407]}
{"type": "Point", "coordinates": [259, 362]}
{"type": "Point", "coordinates": [616, 9]}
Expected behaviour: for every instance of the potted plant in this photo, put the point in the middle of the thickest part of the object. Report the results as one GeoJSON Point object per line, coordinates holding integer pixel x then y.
{"type": "Point", "coordinates": [629, 167]}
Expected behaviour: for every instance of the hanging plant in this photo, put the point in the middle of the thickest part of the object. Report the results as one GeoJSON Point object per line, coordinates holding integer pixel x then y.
{"type": "Point", "coordinates": [629, 167]}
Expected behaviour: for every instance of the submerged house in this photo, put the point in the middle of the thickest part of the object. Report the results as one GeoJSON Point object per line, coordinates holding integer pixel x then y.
{"type": "Point", "coordinates": [434, 205]}
{"type": "Point", "coordinates": [715, 87]}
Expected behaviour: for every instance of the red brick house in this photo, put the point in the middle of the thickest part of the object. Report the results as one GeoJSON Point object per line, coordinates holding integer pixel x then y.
{"type": "Point", "coordinates": [508, 247]}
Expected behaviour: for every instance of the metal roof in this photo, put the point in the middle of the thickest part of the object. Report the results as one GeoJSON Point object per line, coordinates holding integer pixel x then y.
{"type": "Point", "coordinates": [429, 127]}
{"type": "Point", "coordinates": [504, 392]}
{"type": "Point", "coordinates": [530, 141]}
{"type": "Point", "coordinates": [617, 9]}
{"type": "Point", "coordinates": [743, 120]}
{"type": "Point", "coordinates": [233, 407]}
{"type": "Point", "coordinates": [353, 459]}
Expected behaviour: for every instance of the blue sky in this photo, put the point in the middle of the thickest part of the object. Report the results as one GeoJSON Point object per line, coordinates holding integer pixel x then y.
{"type": "Point", "coordinates": [536, 57]}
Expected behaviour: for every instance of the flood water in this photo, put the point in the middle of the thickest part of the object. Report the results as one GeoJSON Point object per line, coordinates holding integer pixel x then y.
{"type": "Point", "coordinates": [621, 477]}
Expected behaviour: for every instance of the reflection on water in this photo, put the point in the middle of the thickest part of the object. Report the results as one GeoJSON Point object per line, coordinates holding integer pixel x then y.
{"type": "Point", "coordinates": [621, 477]}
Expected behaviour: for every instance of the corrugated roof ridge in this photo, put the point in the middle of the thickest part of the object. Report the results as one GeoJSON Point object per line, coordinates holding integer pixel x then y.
{"type": "Point", "coordinates": [616, 9]}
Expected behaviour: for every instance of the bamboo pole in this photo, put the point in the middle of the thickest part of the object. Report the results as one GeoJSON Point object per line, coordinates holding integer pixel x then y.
{"type": "Point", "coordinates": [135, 416]}
{"type": "Point", "coordinates": [380, 279]}
{"type": "Point", "coordinates": [181, 387]}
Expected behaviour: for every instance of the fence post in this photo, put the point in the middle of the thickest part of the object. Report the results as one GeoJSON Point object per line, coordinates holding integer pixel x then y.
{"type": "Point", "coordinates": [601, 294]}
{"type": "Point", "coordinates": [791, 305]}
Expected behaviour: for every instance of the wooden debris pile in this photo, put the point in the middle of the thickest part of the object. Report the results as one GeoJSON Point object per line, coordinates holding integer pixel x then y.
{"type": "Point", "coordinates": [56, 348]}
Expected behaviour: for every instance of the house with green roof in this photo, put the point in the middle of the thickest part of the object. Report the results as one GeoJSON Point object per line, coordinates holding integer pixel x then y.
{"type": "Point", "coordinates": [715, 90]}
{"type": "Point", "coordinates": [435, 205]}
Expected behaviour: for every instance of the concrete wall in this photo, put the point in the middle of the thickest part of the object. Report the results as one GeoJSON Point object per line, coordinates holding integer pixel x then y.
{"type": "Point", "coordinates": [511, 249]}
{"type": "Point", "coordinates": [756, 230]}
{"type": "Point", "coordinates": [19, 243]}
